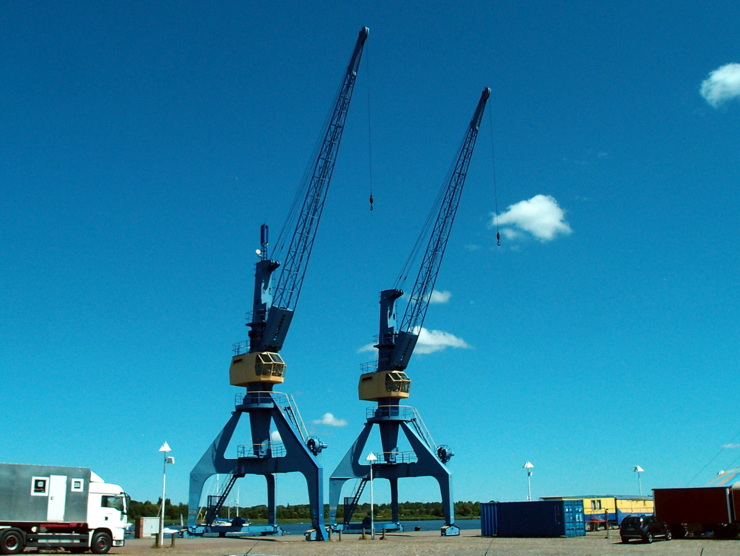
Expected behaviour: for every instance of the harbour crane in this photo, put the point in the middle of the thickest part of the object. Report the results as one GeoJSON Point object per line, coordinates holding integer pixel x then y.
{"type": "Point", "coordinates": [258, 365]}
{"type": "Point", "coordinates": [388, 384]}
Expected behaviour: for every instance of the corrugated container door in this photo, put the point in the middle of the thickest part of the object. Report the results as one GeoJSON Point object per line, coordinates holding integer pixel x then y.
{"type": "Point", "coordinates": [488, 519]}
{"type": "Point", "coordinates": [575, 525]}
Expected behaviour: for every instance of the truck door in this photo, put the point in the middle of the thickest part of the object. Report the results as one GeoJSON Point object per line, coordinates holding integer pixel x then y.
{"type": "Point", "coordinates": [110, 510]}
{"type": "Point", "coordinates": [57, 498]}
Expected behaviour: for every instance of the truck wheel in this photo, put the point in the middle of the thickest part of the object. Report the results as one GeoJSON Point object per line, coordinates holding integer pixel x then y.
{"type": "Point", "coordinates": [11, 542]}
{"type": "Point", "coordinates": [648, 537]}
{"type": "Point", "coordinates": [101, 543]}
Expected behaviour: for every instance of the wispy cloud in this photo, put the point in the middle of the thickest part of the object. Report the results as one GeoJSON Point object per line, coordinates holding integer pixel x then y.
{"type": "Point", "coordinates": [540, 216]}
{"type": "Point", "coordinates": [431, 341]}
{"type": "Point", "coordinates": [731, 446]}
{"type": "Point", "coordinates": [275, 436]}
{"type": "Point", "coordinates": [435, 296]}
{"type": "Point", "coordinates": [440, 297]}
{"type": "Point", "coordinates": [723, 84]}
{"type": "Point", "coordinates": [330, 421]}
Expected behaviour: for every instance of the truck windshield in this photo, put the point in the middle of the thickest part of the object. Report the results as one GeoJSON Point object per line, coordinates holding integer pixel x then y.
{"type": "Point", "coordinates": [115, 502]}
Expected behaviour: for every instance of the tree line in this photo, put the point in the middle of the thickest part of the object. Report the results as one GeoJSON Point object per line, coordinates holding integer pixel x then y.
{"type": "Point", "coordinates": [406, 511]}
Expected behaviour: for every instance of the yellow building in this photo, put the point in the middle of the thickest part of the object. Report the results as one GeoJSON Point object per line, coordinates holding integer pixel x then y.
{"type": "Point", "coordinates": [597, 509]}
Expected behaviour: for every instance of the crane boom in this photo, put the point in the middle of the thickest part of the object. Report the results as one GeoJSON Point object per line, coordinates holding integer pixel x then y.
{"type": "Point", "coordinates": [291, 279]}
{"type": "Point", "coordinates": [272, 314]}
{"type": "Point", "coordinates": [396, 354]}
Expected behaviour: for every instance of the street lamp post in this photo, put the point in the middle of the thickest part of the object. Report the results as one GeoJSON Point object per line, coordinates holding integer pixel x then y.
{"type": "Point", "coordinates": [638, 470]}
{"type": "Point", "coordinates": [165, 449]}
{"type": "Point", "coordinates": [529, 466]}
{"type": "Point", "coordinates": [372, 458]}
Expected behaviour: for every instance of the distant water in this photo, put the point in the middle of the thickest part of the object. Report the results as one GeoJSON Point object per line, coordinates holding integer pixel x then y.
{"type": "Point", "coordinates": [424, 525]}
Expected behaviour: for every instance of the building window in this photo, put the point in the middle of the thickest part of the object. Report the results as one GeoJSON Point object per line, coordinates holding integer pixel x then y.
{"type": "Point", "coordinates": [595, 504]}
{"type": "Point", "coordinates": [39, 486]}
{"type": "Point", "coordinates": [78, 485]}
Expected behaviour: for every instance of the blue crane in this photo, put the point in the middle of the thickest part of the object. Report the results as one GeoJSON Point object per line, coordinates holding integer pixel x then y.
{"type": "Point", "coordinates": [258, 365]}
{"type": "Point", "coordinates": [395, 349]}
{"type": "Point", "coordinates": [272, 314]}
{"type": "Point", "coordinates": [388, 384]}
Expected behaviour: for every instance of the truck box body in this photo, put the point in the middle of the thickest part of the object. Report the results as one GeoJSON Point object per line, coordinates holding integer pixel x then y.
{"type": "Point", "coordinates": [43, 506]}
{"type": "Point", "coordinates": [694, 505]}
{"type": "Point", "coordinates": [37, 493]}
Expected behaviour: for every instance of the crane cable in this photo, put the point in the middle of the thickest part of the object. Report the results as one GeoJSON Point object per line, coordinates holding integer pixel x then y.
{"type": "Point", "coordinates": [722, 449]}
{"type": "Point", "coordinates": [495, 186]}
{"type": "Point", "coordinates": [369, 130]}
{"type": "Point", "coordinates": [426, 230]}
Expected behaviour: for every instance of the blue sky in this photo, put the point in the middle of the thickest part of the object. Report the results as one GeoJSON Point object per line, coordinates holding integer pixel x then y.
{"type": "Point", "coordinates": [144, 144]}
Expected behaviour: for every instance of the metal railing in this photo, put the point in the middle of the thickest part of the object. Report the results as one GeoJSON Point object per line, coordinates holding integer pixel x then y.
{"type": "Point", "coordinates": [261, 451]}
{"type": "Point", "coordinates": [284, 402]}
{"type": "Point", "coordinates": [400, 412]}
{"type": "Point", "coordinates": [254, 398]}
{"type": "Point", "coordinates": [395, 457]}
{"type": "Point", "coordinates": [240, 347]}
{"type": "Point", "coordinates": [368, 367]}
{"type": "Point", "coordinates": [404, 413]}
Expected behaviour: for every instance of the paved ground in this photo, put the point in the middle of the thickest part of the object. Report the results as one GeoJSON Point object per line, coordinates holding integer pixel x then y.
{"type": "Point", "coordinates": [426, 543]}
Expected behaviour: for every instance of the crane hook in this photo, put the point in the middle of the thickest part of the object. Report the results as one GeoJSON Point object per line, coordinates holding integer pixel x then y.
{"type": "Point", "coordinates": [371, 202]}
{"type": "Point", "coordinates": [498, 239]}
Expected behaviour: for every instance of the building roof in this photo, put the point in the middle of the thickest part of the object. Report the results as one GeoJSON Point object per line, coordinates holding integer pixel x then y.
{"type": "Point", "coordinates": [585, 496]}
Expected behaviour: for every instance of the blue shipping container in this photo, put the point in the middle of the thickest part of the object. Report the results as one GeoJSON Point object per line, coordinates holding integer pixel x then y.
{"type": "Point", "coordinates": [488, 519]}
{"type": "Point", "coordinates": [537, 518]}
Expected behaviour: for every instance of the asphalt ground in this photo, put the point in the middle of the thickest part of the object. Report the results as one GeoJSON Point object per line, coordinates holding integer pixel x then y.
{"type": "Point", "coordinates": [425, 543]}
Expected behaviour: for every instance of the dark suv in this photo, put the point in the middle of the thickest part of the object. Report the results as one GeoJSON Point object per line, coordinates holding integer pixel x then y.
{"type": "Point", "coordinates": [643, 527]}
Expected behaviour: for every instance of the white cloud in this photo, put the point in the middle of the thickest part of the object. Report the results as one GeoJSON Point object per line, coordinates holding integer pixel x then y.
{"type": "Point", "coordinates": [275, 436]}
{"type": "Point", "coordinates": [440, 297]}
{"type": "Point", "coordinates": [329, 420]}
{"type": "Point", "coordinates": [431, 341]}
{"type": "Point", "coordinates": [366, 347]}
{"type": "Point", "coordinates": [539, 216]}
{"type": "Point", "coordinates": [731, 446]}
{"type": "Point", "coordinates": [723, 84]}
{"type": "Point", "coordinates": [435, 297]}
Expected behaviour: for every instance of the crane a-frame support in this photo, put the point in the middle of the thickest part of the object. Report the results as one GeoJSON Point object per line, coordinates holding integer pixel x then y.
{"type": "Point", "coordinates": [267, 458]}
{"type": "Point", "coordinates": [393, 465]}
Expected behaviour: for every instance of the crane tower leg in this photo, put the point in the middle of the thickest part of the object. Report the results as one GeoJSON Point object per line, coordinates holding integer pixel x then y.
{"type": "Point", "coordinates": [271, 502]}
